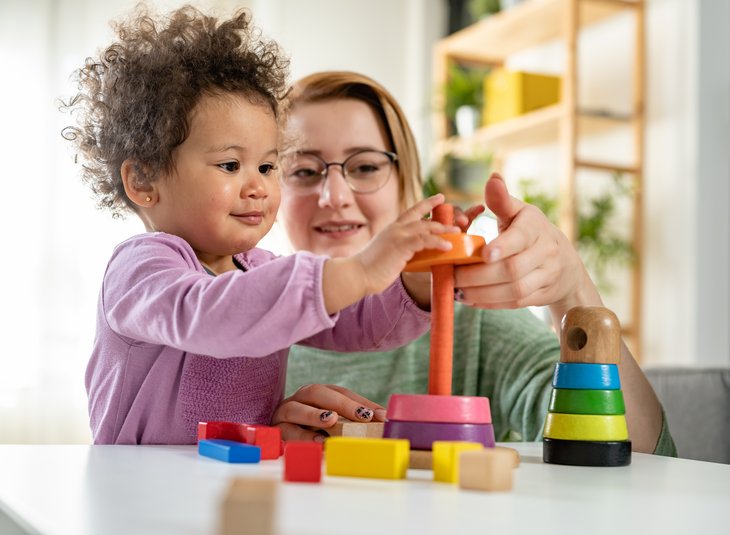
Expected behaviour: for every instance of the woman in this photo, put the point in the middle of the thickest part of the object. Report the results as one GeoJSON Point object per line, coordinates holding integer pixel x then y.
{"type": "Point", "coordinates": [351, 169]}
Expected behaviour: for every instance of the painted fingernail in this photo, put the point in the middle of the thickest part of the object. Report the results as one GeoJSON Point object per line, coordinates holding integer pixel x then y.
{"type": "Point", "coordinates": [319, 438]}
{"type": "Point", "coordinates": [458, 294]}
{"type": "Point", "coordinates": [380, 415]}
{"type": "Point", "coordinates": [326, 415]}
{"type": "Point", "coordinates": [364, 413]}
{"type": "Point", "coordinates": [495, 254]}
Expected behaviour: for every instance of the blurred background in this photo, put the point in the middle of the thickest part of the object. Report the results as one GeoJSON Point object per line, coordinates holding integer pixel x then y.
{"type": "Point", "coordinates": [642, 186]}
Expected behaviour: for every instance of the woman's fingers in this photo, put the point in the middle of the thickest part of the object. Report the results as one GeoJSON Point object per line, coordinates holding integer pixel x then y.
{"type": "Point", "coordinates": [332, 398]}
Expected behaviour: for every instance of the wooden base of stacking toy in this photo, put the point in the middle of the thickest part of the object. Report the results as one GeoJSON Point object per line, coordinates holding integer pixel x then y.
{"type": "Point", "coordinates": [582, 453]}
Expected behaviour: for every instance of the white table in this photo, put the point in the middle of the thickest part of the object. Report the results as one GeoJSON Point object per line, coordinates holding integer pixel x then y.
{"type": "Point", "coordinates": [159, 490]}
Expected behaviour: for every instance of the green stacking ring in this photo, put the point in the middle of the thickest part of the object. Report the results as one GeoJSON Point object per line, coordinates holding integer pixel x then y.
{"type": "Point", "coordinates": [568, 401]}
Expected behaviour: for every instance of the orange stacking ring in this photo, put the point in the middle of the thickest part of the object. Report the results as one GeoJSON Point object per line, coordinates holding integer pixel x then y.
{"type": "Point", "coordinates": [466, 250]}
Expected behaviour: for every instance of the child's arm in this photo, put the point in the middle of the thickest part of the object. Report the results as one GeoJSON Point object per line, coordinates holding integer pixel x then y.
{"type": "Point", "coordinates": [347, 280]}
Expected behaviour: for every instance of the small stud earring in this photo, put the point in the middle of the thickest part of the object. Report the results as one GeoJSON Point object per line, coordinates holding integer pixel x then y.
{"type": "Point", "coordinates": [148, 198]}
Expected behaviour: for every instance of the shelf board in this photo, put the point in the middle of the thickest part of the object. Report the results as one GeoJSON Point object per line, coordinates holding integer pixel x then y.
{"type": "Point", "coordinates": [507, 32]}
{"type": "Point", "coordinates": [538, 127]}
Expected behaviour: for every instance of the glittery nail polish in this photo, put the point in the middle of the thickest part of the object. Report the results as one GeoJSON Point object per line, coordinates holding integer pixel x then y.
{"type": "Point", "coordinates": [326, 415]}
{"type": "Point", "coordinates": [458, 294]}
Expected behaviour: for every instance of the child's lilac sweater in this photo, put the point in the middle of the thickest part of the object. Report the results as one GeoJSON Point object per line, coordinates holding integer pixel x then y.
{"type": "Point", "coordinates": [175, 346]}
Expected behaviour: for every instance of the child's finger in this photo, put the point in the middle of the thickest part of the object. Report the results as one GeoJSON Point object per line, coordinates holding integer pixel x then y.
{"type": "Point", "coordinates": [379, 410]}
{"type": "Point", "coordinates": [422, 208]}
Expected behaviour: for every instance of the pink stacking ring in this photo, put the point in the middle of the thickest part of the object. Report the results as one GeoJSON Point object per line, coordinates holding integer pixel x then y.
{"type": "Point", "coordinates": [439, 409]}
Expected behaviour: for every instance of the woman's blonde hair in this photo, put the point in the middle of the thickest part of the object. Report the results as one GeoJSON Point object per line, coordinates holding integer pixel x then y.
{"type": "Point", "coordinates": [333, 85]}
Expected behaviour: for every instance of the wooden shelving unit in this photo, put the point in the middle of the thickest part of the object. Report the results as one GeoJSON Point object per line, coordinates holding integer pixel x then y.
{"type": "Point", "coordinates": [530, 24]}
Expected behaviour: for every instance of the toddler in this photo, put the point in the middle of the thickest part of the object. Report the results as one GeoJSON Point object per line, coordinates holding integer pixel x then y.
{"type": "Point", "coordinates": [177, 124]}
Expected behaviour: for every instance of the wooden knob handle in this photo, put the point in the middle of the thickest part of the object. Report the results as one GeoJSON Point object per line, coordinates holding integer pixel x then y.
{"type": "Point", "coordinates": [591, 335]}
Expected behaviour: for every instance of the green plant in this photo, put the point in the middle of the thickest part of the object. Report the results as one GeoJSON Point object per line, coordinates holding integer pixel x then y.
{"type": "Point", "coordinates": [482, 8]}
{"type": "Point", "coordinates": [464, 87]}
{"type": "Point", "coordinates": [597, 242]}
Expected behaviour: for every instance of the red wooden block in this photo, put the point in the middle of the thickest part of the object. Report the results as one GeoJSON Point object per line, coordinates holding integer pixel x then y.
{"type": "Point", "coordinates": [265, 437]}
{"type": "Point", "coordinates": [222, 430]}
{"type": "Point", "coordinates": [303, 461]}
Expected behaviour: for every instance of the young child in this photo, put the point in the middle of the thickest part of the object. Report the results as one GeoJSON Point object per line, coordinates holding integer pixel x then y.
{"type": "Point", "coordinates": [177, 124]}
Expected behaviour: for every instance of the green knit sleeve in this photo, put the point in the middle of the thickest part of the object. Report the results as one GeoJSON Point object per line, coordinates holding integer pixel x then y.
{"type": "Point", "coordinates": [665, 444]}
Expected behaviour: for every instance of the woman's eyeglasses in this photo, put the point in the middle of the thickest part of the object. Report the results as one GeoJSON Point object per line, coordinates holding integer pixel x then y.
{"type": "Point", "coordinates": [364, 172]}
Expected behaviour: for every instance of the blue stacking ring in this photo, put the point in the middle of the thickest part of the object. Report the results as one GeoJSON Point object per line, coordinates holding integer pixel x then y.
{"type": "Point", "coordinates": [586, 376]}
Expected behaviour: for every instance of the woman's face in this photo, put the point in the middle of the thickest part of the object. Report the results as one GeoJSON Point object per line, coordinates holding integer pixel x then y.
{"type": "Point", "coordinates": [334, 220]}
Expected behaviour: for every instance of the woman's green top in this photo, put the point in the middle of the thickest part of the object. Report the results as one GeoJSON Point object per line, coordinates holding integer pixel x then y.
{"type": "Point", "coordinates": [506, 355]}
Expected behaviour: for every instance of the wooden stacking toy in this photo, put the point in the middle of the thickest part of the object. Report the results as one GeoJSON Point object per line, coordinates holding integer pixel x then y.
{"type": "Point", "coordinates": [586, 422]}
{"type": "Point", "coordinates": [439, 416]}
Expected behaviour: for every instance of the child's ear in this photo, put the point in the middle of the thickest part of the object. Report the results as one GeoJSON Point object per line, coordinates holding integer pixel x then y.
{"type": "Point", "coordinates": [139, 190]}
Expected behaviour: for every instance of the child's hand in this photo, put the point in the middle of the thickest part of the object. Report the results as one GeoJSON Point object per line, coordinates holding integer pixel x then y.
{"type": "Point", "coordinates": [319, 406]}
{"type": "Point", "coordinates": [386, 255]}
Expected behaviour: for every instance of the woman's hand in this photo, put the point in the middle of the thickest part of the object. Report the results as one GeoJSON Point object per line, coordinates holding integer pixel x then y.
{"type": "Point", "coordinates": [531, 262]}
{"type": "Point", "coordinates": [319, 406]}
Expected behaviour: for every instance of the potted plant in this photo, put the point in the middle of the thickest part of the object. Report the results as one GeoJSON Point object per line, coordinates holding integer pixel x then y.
{"type": "Point", "coordinates": [464, 98]}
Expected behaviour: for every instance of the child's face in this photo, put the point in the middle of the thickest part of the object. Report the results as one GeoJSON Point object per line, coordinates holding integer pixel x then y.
{"type": "Point", "coordinates": [223, 193]}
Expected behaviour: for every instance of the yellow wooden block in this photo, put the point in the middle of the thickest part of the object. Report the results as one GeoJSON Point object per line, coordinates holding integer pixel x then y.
{"type": "Point", "coordinates": [589, 427]}
{"type": "Point", "coordinates": [446, 459]}
{"type": "Point", "coordinates": [489, 469]}
{"type": "Point", "coordinates": [508, 94]}
{"type": "Point", "coordinates": [383, 458]}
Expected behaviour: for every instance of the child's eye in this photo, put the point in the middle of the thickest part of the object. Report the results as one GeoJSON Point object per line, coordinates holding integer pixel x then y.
{"type": "Point", "coordinates": [266, 168]}
{"type": "Point", "coordinates": [230, 167]}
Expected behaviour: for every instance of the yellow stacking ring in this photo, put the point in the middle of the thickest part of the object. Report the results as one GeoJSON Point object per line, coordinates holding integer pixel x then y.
{"type": "Point", "coordinates": [589, 427]}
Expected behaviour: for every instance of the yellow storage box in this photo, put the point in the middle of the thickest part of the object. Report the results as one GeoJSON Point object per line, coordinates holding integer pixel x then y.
{"type": "Point", "coordinates": [512, 93]}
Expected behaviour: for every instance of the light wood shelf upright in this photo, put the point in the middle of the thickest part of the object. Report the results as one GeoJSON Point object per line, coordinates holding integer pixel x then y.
{"type": "Point", "coordinates": [529, 24]}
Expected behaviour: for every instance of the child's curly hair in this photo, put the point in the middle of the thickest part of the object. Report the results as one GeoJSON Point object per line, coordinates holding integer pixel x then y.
{"type": "Point", "coordinates": [135, 99]}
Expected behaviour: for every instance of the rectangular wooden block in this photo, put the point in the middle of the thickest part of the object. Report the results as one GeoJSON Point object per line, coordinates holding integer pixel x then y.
{"type": "Point", "coordinates": [347, 428]}
{"type": "Point", "coordinates": [446, 459]}
{"type": "Point", "coordinates": [222, 430]}
{"type": "Point", "coordinates": [249, 506]}
{"type": "Point", "coordinates": [383, 458]}
{"type": "Point", "coordinates": [229, 451]}
{"type": "Point", "coordinates": [421, 460]}
{"type": "Point", "coordinates": [489, 469]}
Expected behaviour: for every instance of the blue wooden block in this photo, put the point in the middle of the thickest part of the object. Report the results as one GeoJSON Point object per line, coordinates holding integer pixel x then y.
{"type": "Point", "coordinates": [229, 451]}
{"type": "Point", "coordinates": [584, 376]}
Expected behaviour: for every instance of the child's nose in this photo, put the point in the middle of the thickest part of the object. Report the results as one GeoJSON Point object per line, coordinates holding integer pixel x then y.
{"type": "Point", "coordinates": [254, 187]}
{"type": "Point", "coordinates": [335, 192]}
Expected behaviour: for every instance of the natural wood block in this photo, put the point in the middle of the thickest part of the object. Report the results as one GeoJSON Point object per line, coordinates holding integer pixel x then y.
{"type": "Point", "coordinates": [591, 335]}
{"type": "Point", "coordinates": [513, 453]}
{"type": "Point", "coordinates": [489, 469]}
{"type": "Point", "coordinates": [591, 427]}
{"type": "Point", "coordinates": [446, 459]}
{"type": "Point", "coordinates": [439, 409]}
{"type": "Point", "coordinates": [249, 506]}
{"type": "Point", "coordinates": [347, 428]}
{"type": "Point", "coordinates": [421, 460]}
{"type": "Point", "coordinates": [383, 458]}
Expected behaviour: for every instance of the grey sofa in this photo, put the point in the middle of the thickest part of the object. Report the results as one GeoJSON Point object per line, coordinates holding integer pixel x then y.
{"type": "Point", "coordinates": [697, 405]}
